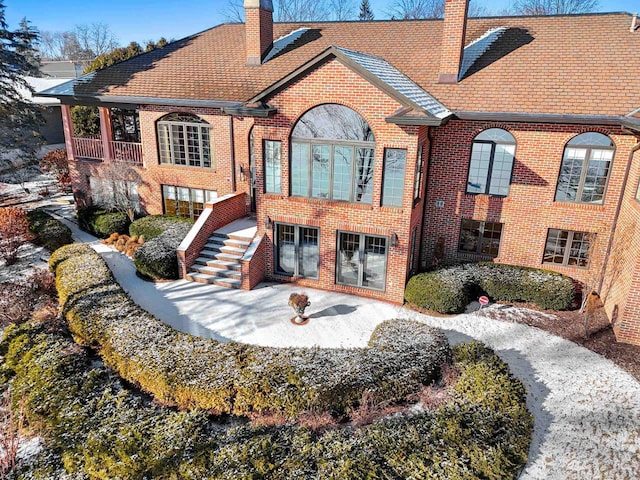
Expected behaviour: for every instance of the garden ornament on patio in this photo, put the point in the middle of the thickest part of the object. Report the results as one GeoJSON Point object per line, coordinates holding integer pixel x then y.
{"type": "Point", "coordinates": [299, 302]}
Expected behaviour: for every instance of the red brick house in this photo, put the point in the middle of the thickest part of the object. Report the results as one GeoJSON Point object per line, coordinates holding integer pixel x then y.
{"type": "Point", "coordinates": [369, 150]}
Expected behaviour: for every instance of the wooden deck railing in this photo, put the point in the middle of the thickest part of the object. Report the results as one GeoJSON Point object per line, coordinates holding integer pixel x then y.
{"type": "Point", "coordinates": [88, 148]}
{"type": "Point", "coordinates": [92, 148]}
{"type": "Point", "coordinates": [127, 152]}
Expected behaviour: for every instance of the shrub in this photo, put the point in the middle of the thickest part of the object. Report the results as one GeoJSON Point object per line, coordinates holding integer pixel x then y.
{"type": "Point", "coordinates": [153, 225]}
{"type": "Point", "coordinates": [101, 222]}
{"type": "Point", "coordinates": [188, 371]}
{"type": "Point", "coordinates": [96, 428]}
{"type": "Point", "coordinates": [56, 162]}
{"type": "Point", "coordinates": [14, 231]}
{"type": "Point", "coordinates": [450, 289]}
{"type": "Point", "coordinates": [157, 258]}
{"type": "Point", "coordinates": [49, 232]}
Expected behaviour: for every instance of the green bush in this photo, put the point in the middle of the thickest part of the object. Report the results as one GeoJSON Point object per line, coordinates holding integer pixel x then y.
{"type": "Point", "coordinates": [187, 371]}
{"type": "Point", "coordinates": [102, 223]}
{"type": "Point", "coordinates": [153, 225]}
{"type": "Point", "coordinates": [450, 289]}
{"type": "Point", "coordinates": [50, 233]}
{"type": "Point", "coordinates": [96, 428]}
{"type": "Point", "coordinates": [157, 258]}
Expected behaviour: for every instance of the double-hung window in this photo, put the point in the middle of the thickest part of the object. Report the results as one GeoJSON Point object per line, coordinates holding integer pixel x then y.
{"type": "Point", "coordinates": [184, 139]}
{"type": "Point", "coordinates": [332, 155]}
{"type": "Point", "coordinates": [361, 260]}
{"type": "Point", "coordinates": [297, 250]}
{"type": "Point", "coordinates": [479, 237]}
{"type": "Point", "coordinates": [569, 248]}
{"type": "Point", "coordinates": [585, 169]}
{"type": "Point", "coordinates": [272, 166]}
{"type": "Point", "coordinates": [491, 165]}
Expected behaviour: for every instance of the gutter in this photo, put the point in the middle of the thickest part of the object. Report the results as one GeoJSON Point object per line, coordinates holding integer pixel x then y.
{"type": "Point", "coordinates": [614, 226]}
{"type": "Point", "coordinates": [550, 118]}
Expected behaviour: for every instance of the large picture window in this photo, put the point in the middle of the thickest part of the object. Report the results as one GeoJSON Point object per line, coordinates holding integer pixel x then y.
{"type": "Point", "coordinates": [184, 139]}
{"type": "Point", "coordinates": [481, 238]}
{"type": "Point", "coordinates": [297, 250]}
{"type": "Point", "coordinates": [491, 164]}
{"type": "Point", "coordinates": [395, 164]}
{"type": "Point", "coordinates": [272, 166]}
{"type": "Point", "coordinates": [185, 202]}
{"type": "Point", "coordinates": [332, 155]}
{"type": "Point", "coordinates": [565, 247]}
{"type": "Point", "coordinates": [361, 260]}
{"type": "Point", "coordinates": [585, 169]}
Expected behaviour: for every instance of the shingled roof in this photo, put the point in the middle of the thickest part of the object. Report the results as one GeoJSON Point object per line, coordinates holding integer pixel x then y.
{"type": "Point", "coordinates": [564, 65]}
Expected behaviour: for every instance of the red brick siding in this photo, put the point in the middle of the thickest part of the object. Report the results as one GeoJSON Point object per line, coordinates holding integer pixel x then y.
{"type": "Point", "coordinates": [253, 270]}
{"type": "Point", "coordinates": [334, 83]}
{"type": "Point", "coordinates": [222, 212]}
{"type": "Point", "coordinates": [258, 33]}
{"type": "Point", "coordinates": [453, 34]}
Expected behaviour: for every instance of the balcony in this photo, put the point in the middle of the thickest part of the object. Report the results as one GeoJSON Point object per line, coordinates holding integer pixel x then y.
{"type": "Point", "coordinates": [93, 149]}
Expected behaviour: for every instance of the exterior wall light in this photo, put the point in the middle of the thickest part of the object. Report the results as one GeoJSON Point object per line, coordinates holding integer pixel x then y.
{"type": "Point", "coordinates": [268, 224]}
{"type": "Point", "coordinates": [393, 240]}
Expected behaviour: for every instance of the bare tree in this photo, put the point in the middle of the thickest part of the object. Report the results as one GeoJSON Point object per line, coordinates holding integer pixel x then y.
{"type": "Point", "coordinates": [11, 425]}
{"type": "Point", "coordinates": [416, 9]}
{"type": "Point", "coordinates": [96, 38]}
{"type": "Point", "coordinates": [118, 188]}
{"type": "Point", "coordinates": [554, 7]}
{"type": "Point", "coordinates": [301, 10]}
{"type": "Point", "coordinates": [342, 10]}
{"type": "Point", "coordinates": [590, 285]}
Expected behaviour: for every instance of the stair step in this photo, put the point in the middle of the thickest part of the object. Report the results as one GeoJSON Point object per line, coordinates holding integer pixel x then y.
{"type": "Point", "coordinates": [220, 264]}
{"type": "Point", "coordinates": [218, 272]}
{"type": "Point", "coordinates": [231, 236]}
{"type": "Point", "coordinates": [229, 242]}
{"type": "Point", "coordinates": [214, 280]}
{"type": "Point", "coordinates": [221, 247]}
{"type": "Point", "coordinates": [229, 256]}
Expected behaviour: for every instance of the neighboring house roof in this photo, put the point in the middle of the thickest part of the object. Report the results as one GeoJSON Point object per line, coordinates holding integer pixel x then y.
{"type": "Point", "coordinates": [62, 68]}
{"type": "Point", "coordinates": [39, 84]}
{"type": "Point", "coordinates": [563, 65]}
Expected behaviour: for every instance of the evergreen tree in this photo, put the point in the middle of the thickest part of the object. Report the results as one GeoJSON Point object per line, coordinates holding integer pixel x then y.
{"type": "Point", "coordinates": [26, 47]}
{"type": "Point", "coordinates": [19, 120]}
{"type": "Point", "coordinates": [365, 11]}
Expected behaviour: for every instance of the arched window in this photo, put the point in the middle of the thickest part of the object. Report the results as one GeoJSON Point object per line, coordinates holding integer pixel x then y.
{"type": "Point", "coordinates": [184, 139]}
{"type": "Point", "coordinates": [332, 155]}
{"type": "Point", "coordinates": [491, 165]}
{"type": "Point", "coordinates": [585, 169]}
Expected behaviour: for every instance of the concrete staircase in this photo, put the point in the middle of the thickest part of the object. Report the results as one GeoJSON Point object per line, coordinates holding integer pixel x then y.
{"type": "Point", "coordinates": [219, 260]}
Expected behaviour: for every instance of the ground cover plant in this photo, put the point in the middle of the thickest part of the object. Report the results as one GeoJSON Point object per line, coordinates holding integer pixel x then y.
{"type": "Point", "coordinates": [97, 428]}
{"type": "Point", "coordinates": [49, 232]}
{"type": "Point", "coordinates": [451, 289]}
{"type": "Point", "coordinates": [156, 258]}
{"type": "Point", "coordinates": [14, 232]}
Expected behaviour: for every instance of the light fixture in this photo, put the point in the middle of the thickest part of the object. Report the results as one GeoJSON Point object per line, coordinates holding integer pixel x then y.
{"type": "Point", "coordinates": [393, 240]}
{"type": "Point", "coordinates": [267, 223]}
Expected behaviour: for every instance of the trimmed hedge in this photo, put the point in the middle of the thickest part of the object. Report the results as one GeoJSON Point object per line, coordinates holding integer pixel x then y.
{"type": "Point", "coordinates": [157, 258]}
{"type": "Point", "coordinates": [450, 289]}
{"type": "Point", "coordinates": [96, 428]}
{"type": "Point", "coordinates": [153, 225]}
{"type": "Point", "coordinates": [191, 372]}
{"type": "Point", "coordinates": [102, 223]}
{"type": "Point", "coordinates": [50, 233]}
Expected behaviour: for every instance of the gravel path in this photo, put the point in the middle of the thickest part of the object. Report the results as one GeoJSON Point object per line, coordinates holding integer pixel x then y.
{"type": "Point", "coordinates": [586, 409]}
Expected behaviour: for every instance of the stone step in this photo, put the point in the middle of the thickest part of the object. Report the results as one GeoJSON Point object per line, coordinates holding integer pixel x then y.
{"type": "Point", "coordinates": [221, 247]}
{"type": "Point", "coordinates": [229, 242]}
{"type": "Point", "coordinates": [218, 272]}
{"type": "Point", "coordinates": [231, 236]}
{"type": "Point", "coordinates": [220, 264]}
{"type": "Point", "coordinates": [214, 280]}
{"type": "Point", "coordinates": [228, 256]}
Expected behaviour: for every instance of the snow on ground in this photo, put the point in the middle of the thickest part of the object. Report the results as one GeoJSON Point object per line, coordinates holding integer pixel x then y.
{"type": "Point", "coordinates": [30, 257]}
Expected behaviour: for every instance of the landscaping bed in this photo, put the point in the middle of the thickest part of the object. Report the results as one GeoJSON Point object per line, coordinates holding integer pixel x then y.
{"type": "Point", "coordinates": [97, 428]}
{"type": "Point", "coordinates": [49, 232]}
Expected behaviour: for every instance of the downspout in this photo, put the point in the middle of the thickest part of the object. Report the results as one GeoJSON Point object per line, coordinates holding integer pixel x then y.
{"type": "Point", "coordinates": [232, 152]}
{"type": "Point", "coordinates": [614, 226]}
{"type": "Point", "coordinates": [424, 201]}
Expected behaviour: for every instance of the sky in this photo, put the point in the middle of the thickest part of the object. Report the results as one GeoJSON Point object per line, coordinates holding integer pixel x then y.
{"type": "Point", "coordinates": [141, 20]}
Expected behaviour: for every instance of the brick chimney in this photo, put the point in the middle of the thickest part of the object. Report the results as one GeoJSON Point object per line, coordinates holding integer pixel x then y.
{"type": "Point", "coordinates": [453, 32]}
{"type": "Point", "coordinates": [259, 29]}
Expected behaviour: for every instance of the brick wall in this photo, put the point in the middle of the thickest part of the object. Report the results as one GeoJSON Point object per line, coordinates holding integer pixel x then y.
{"type": "Point", "coordinates": [453, 33]}
{"type": "Point", "coordinates": [253, 269]}
{"type": "Point", "coordinates": [621, 286]}
{"type": "Point", "coordinates": [334, 83]}
{"type": "Point", "coordinates": [529, 210]}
